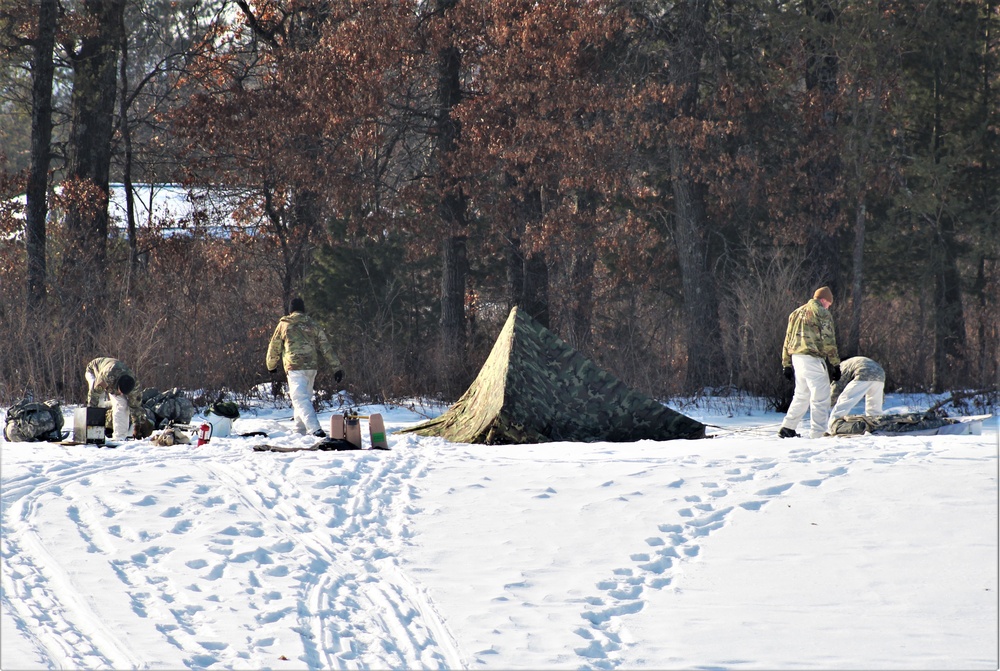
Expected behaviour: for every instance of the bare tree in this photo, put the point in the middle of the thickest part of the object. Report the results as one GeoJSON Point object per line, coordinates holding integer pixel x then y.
{"type": "Point", "coordinates": [36, 212]}
{"type": "Point", "coordinates": [453, 204]}
{"type": "Point", "coordinates": [94, 58]}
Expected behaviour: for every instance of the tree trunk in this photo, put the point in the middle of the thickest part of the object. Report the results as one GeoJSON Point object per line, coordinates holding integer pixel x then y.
{"type": "Point", "coordinates": [123, 128]}
{"type": "Point", "coordinates": [89, 159]}
{"type": "Point", "coordinates": [822, 241]}
{"type": "Point", "coordinates": [986, 331]}
{"type": "Point", "coordinates": [581, 308]}
{"type": "Point", "coordinates": [528, 282]}
{"type": "Point", "coordinates": [949, 318]}
{"type": "Point", "coordinates": [453, 272]}
{"type": "Point", "coordinates": [987, 371]}
{"type": "Point", "coordinates": [452, 208]}
{"type": "Point", "coordinates": [515, 270]}
{"type": "Point", "coordinates": [535, 291]}
{"type": "Point", "coordinates": [852, 343]}
{"type": "Point", "coordinates": [293, 226]}
{"type": "Point", "coordinates": [705, 365]}
{"type": "Point", "coordinates": [701, 307]}
{"type": "Point", "coordinates": [36, 210]}
{"type": "Point", "coordinates": [527, 274]}
{"type": "Point", "coordinates": [949, 323]}
{"type": "Point", "coordinates": [306, 224]}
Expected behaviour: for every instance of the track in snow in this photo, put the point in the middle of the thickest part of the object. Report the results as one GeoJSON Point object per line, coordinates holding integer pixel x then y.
{"type": "Point", "coordinates": [301, 562]}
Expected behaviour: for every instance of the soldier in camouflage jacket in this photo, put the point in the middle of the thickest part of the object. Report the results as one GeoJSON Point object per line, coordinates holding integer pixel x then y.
{"type": "Point", "coordinates": [298, 343]}
{"type": "Point", "coordinates": [809, 356]}
{"type": "Point", "coordinates": [111, 383]}
{"type": "Point", "coordinates": [859, 377]}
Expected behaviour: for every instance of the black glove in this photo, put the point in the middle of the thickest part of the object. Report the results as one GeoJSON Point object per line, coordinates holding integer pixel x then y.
{"type": "Point", "coordinates": [275, 383]}
{"type": "Point", "coordinates": [834, 373]}
{"type": "Point", "coordinates": [789, 372]}
{"type": "Point", "coordinates": [338, 376]}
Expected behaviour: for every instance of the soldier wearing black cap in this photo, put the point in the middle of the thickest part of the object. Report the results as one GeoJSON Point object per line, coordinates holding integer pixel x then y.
{"type": "Point", "coordinates": [297, 344]}
{"type": "Point", "coordinates": [110, 383]}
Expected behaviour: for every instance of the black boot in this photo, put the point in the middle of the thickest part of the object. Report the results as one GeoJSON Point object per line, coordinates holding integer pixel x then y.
{"type": "Point", "coordinates": [787, 433]}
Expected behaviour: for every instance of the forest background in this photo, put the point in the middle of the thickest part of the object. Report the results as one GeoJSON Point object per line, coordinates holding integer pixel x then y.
{"type": "Point", "coordinates": [659, 182]}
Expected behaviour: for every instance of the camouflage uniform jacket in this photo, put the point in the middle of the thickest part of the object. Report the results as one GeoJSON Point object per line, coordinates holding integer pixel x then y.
{"type": "Point", "coordinates": [810, 331]}
{"type": "Point", "coordinates": [106, 372]}
{"type": "Point", "coordinates": [297, 343]}
{"type": "Point", "coordinates": [859, 368]}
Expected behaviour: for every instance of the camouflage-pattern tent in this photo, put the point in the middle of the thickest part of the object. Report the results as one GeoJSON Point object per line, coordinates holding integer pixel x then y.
{"type": "Point", "coordinates": [535, 388]}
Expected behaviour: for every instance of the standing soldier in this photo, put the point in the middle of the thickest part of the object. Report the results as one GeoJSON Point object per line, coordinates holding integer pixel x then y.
{"type": "Point", "coordinates": [297, 343]}
{"type": "Point", "coordinates": [111, 383]}
{"type": "Point", "coordinates": [809, 356]}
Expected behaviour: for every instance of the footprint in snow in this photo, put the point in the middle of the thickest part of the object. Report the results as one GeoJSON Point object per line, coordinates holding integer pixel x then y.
{"type": "Point", "coordinates": [777, 489]}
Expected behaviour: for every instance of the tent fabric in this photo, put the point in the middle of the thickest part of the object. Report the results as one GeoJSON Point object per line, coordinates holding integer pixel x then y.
{"type": "Point", "coordinates": [536, 388]}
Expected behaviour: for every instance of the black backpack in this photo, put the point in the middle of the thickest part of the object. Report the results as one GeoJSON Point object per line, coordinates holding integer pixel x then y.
{"type": "Point", "coordinates": [227, 409]}
{"type": "Point", "coordinates": [170, 406]}
{"type": "Point", "coordinates": [29, 421]}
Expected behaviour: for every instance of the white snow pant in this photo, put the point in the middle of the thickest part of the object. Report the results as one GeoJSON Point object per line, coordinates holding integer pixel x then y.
{"type": "Point", "coordinates": [119, 409]}
{"type": "Point", "coordinates": [812, 392]}
{"type": "Point", "coordinates": [300, 390]}
{"type": "Point", "coordinates": [872, 390]}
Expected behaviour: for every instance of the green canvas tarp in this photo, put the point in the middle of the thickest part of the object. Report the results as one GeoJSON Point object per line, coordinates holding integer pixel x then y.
{"type": "Point", "coordinates": [535, 388]}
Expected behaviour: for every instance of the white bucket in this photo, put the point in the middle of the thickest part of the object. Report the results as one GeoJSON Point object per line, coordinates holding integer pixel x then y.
{"type": "Point", "coordinates": [220, 425]}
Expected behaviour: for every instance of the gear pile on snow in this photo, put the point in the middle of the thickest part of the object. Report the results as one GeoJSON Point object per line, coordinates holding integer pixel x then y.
{"type": "Point", "coordinates": [536, 388]}
{"type": "Point", "coordinates": [167, 407]}
{"type": "Point", "coordinates": [928, 422]}
{"type": "Point", "coordinates": [29, 421]}
{"type": "Point", "coordinates": [171, 436]}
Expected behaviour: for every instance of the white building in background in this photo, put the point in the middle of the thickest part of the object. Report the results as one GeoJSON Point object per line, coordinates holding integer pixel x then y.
{"type": "Point", "coordinates": [171, 208]}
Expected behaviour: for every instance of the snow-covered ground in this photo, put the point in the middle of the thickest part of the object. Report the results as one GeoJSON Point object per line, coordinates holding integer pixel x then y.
{"type": "Point", "coordinates": [743, 551]}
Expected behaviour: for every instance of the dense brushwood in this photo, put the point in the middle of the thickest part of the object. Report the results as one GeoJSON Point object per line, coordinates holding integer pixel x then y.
{"type": "Point", "coordinates": [658, 183]}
